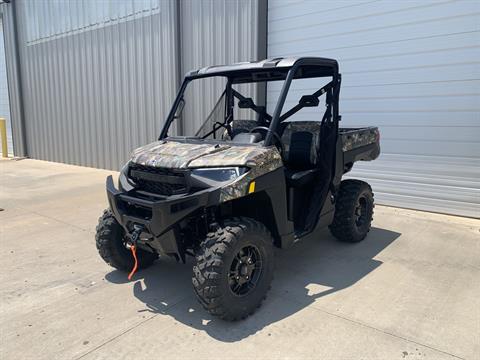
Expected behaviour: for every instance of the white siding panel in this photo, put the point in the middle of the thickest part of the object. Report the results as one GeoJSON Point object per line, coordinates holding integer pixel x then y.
{"type": "Point", "coordinates": [413, 69]}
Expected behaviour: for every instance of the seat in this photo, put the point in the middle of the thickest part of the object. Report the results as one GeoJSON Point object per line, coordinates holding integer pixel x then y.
{"type": "Point", "coordinates": [301, 142]}
{"type": "Point", "coordinates": [242, 126]}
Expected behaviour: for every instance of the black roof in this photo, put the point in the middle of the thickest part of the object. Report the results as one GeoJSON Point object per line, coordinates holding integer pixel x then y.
{"type": "Point", "coordinates": [270, 69]}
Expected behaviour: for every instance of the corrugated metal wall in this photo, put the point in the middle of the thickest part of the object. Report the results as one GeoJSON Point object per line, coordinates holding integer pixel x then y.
{"type": "Point", "coordinates": [14, 83]}
{"type": "Point", "coordinates": [98, 78]}
{"type": "Point", "coordinates": [4, 102]}
{"type": "Point", "coordinates": [217, 32]}
{"type": "Point", "coordinates": [413, 69]}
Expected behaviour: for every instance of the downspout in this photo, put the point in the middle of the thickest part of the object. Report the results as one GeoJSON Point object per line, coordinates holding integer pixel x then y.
{"type": "Point", "coordinates": [262, 34]}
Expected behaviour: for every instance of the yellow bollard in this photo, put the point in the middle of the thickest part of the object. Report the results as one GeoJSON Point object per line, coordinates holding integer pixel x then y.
{"type": "Point", "coordinates": [3, 136]}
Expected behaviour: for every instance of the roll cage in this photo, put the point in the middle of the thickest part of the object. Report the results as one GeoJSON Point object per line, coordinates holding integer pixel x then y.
{"type": "Point", "coordinates": [276, 69]}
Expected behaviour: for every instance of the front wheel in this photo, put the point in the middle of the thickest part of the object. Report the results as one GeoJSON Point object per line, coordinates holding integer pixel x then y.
{"type": "Point", "coordinates": [110, 239]}
{"type": "Point", "coordinates": [353, 211]}
{"type": "Point", "coordinates": [234, 269]}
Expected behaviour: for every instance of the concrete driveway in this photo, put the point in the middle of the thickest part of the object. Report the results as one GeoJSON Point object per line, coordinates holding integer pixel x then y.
{"type": "Point", "coordinates": [411, 290]}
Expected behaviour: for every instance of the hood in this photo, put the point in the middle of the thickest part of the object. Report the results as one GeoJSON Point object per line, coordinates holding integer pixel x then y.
{"type": "Point", "coordinates": [178, 155]}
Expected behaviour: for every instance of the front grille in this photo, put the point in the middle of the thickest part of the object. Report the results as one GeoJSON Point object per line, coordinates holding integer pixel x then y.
{"type": "Point", "coordinates": [159, 181]}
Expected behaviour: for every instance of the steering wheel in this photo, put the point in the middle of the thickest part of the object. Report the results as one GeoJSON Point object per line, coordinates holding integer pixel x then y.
{"type": "Point", "coordinates": [225, 126]}
{"type": "Point", "coordinates": [275, 135]}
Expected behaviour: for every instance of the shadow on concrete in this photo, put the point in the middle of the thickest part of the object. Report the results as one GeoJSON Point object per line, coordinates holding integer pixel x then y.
{"type": "Point", "coordinates": [313, 268]}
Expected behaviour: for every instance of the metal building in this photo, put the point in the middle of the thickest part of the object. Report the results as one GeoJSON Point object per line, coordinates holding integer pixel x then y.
{"type": "Point", "coordinates": [89, 81]}
{"type": "Point", "coordinates": [95, 79]}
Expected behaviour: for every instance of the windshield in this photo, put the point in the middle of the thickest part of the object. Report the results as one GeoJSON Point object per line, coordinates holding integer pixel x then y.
{"type": "Point", "coordinates": [213, 108]}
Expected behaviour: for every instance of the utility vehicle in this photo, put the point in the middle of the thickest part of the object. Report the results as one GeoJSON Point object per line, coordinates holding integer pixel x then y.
{"type": "Point", "coordinates": [238, 187]}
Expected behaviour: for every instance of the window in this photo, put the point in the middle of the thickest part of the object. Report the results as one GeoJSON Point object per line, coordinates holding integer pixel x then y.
{"type": "Point", "coordinates": [47, 19]}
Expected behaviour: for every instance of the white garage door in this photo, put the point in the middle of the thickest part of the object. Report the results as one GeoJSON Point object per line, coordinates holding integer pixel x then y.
{"type": "Point", "coordinates": [413, 69]}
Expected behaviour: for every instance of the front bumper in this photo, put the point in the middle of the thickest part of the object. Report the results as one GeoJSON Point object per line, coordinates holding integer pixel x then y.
{"type": "Point", "coordinates": [158, 217]}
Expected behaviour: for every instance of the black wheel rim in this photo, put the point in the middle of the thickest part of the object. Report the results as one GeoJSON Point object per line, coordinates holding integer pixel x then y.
{"type": "Point", "coordinates": [361, 213]}
{"type": "Point", "coordinates": [245, 271]}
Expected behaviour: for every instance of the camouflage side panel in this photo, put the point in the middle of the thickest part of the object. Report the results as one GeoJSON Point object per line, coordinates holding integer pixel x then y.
{"type": "Point", "coordinates": [312, 127]}
{"type": "Point", "coordinates": [356, 138]}
{"type": "Point", "coordinates": [172, 154]}
{"type": "Point", "coordinates": [260, 163]}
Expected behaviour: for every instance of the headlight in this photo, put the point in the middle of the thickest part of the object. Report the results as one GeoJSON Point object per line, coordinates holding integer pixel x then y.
{"type": "Point", "coordinates": [220, 174]}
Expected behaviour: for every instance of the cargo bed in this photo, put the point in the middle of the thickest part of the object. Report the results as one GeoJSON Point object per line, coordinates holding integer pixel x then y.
{"type": "Point", "coordinates": [359, 144]}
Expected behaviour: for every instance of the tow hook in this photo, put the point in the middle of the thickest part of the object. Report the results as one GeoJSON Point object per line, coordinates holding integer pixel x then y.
{"type": "Point", "coordinates": [132, 244]}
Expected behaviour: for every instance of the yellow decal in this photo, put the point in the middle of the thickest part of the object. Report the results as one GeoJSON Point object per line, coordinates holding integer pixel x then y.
{"type": "Point", "coordinates": [251, 187]}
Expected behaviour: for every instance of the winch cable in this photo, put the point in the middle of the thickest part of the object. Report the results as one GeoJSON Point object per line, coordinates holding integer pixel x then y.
{"type": "Point", "coordinates": [133, 248]}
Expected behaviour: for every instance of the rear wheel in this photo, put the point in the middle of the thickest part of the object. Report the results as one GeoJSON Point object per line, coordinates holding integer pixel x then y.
{"type": "Point", "coordinates": [353, 211]}
{"type": "Point", "coordinates": [111, 245]}
{"type": "Point", "coordinates": [234, 269]}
